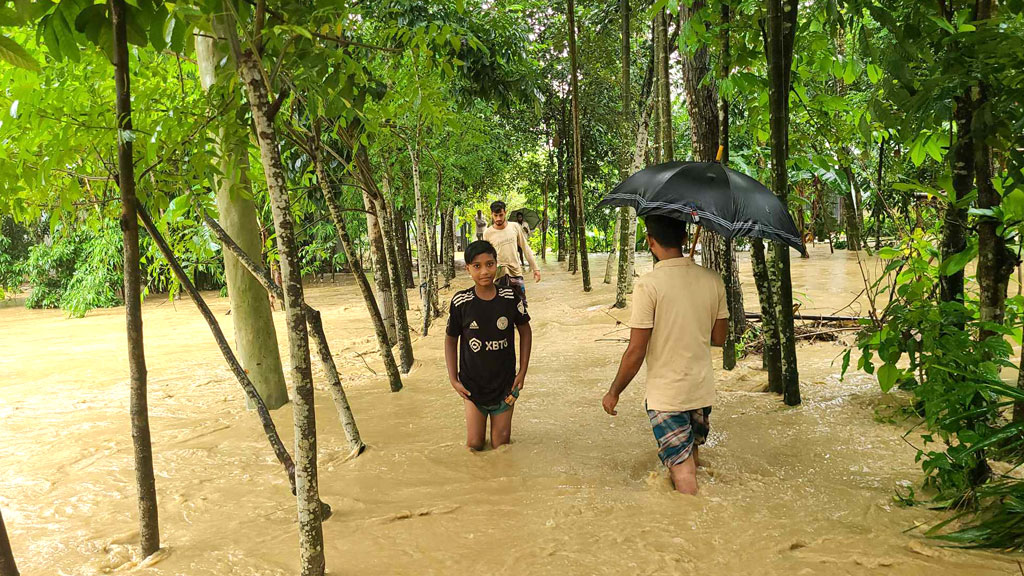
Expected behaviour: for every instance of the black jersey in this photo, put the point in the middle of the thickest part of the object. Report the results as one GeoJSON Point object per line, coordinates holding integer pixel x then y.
{"type": "Point", "coordinates": [486, 330]}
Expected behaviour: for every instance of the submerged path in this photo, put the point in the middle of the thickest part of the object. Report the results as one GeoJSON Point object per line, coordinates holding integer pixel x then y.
{"type": "Point", "coordinates": [805, 490]}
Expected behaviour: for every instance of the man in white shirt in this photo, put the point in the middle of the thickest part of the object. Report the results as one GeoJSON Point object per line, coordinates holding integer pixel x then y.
{"type": "Point", "coordinates": [507, 238]}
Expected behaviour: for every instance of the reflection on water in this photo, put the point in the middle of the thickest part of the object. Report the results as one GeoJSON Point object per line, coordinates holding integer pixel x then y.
{"type": "Point", "coordinates": [803, 490]}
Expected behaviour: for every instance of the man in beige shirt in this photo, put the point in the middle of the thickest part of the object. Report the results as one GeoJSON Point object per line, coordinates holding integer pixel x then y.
{"type": "Point", "coordinates": [508, 238]}
{"type": "Point", "coordinates": [679, 312]}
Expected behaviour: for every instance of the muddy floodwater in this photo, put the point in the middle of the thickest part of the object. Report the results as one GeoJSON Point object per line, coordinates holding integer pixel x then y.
{"type": "Point", "coordinates": [787, 491]}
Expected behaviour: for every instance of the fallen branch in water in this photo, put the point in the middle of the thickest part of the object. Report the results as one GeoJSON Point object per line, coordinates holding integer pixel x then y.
{"type": "Point", "coordinates": [813, 317]}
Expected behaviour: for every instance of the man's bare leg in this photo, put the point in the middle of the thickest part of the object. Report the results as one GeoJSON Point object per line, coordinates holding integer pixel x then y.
{"type": "Point", "coordinates": [476, 426]}
{"type": "Point", "coordinates": [501, 427]}
{"type": "Point", "coordinates": [684, 475]}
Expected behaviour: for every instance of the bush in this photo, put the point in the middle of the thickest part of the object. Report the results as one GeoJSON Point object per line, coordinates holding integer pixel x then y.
{"type": "Point", "coordinates": [77, 271]}
{"type": "Point", "coordinates": [932, 350]}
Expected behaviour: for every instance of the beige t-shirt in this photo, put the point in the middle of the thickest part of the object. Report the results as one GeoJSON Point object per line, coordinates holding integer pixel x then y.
{"type": "Point", "coordinates": [505, 242]}
{"type": "Point", "coordinates": [680, 301]}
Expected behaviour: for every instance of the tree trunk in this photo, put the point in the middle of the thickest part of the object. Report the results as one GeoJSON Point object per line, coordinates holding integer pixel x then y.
{"type": "Point", "coordinates": [311, 543]}
{"type": "Point", "coordinates": [544, 216]}
{"type": "Point", "coordinates": [782, 34]}
{"type": "Point", "coordinates": [149, 530]}
{"type": "Point", "coordinates": [772, 355]}
{"type": "Point", "coordinates": [561, 183]}
{"type": "Point", "coordinates": [995, 260]}
{"type": "Point", "coordinates": [393, 244]}
{"type": "Point", "coordinates": [850, 211]}
{"type": "Point", "coordinates": [707, 123]}
{"type": "Point", "coordinates": [422, 247]}
{"type": "Point", "coordinates": [7, 565]}
{"type": "Point", "coordinates": [730, 272]}
{"type": "Point", "coordinates": [701, 95]}
{"type": "Point", "coordinates": [581, 218]}
{"type": "Point", "coordinates": [665, 87]}
{"type": "Point", "coordinates": [251, 315]}
{"type": "Point", "coordinates": [434, 260]}
{"type": "Point", "coordinates": [407, 241]}
{"type": "Point", "coordinates": [358, 273]}
{"type": "Point", "coordinates": [954, 229]}
{"type": "Point", "coordinates": [248, 387]}
{"type": "Point", "coordinates": [613, 249]}
{"type": "Point", "coordinates": [381, 276]}
{"type": "Point", "coordinates": [571, 209]}
{"type": "Point", "coordinates": [626, 224]}
{"type": "Point", "coordinates": [316, 329]}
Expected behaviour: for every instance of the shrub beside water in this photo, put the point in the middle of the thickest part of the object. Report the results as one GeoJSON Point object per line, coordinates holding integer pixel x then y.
{"type": "Point", "coordinates": [77, 271]}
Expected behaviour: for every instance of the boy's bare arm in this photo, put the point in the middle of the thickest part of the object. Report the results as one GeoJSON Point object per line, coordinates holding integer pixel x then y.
{"type": "Point", "coordinates": [451, 360]}
{"type": "Point", "coordinates": [632, 360]}
{"type": "Point", "coordinates": [525, 345]}
{"type": "Point", "coordinates": [719, 332]}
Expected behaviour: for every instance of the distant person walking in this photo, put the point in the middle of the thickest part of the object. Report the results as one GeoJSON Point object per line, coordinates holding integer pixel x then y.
{"type": "Point", "coordinates": [481, 224]}
{"type": "Point", "coordinates": [507, 238]}
{"type": "Point", "coordinates": [526, 230]}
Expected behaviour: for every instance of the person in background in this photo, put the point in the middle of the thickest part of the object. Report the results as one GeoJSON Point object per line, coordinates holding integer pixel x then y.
{"type": "Point", "coordinates": [526, 230]}
{"type": "Point", "coordinates": [481, 224]}
{"type": "Point", "coordinates": [679, 313]}
{"type": "Point", "coordinates": [507, 238]}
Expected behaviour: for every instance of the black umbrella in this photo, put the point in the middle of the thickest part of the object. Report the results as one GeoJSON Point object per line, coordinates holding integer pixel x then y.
{"type": "Point", "coordinates": [529, 216]}
{"type": "Point", "coordinates": [711, 195]}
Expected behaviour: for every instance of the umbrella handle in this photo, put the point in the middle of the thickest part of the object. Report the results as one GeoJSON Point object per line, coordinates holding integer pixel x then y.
{"type": "Point", "coordinates": [696, 236]}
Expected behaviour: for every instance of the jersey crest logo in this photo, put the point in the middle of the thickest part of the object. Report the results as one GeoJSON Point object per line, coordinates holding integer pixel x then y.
{"type": "Point", "coordinates": [502, 323]}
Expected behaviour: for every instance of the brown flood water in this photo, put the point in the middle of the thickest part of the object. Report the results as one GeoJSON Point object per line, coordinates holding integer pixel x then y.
{"type": "Point", "coordinates": [804, 490]}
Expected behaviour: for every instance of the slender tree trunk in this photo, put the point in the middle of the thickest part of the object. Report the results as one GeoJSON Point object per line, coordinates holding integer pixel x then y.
{"type": "Point", "coordinates": [613, 249]}
{"type": "Point", "coordinates": [316, 332]}
{"type": "Point", "coordinates": [393, 245]}
{"type": "Point", "coordinates": [879, 214]}
{"type": "Point", "coordinates": [381, 276]}
{"type": "Point", "coordinates": [954, 230]}
{"type": "Point", "coordinates": [7, 565]}
{"type": "Point", "coordinates": [311, 543]}
{"type": "Point", "coordinates": [571, 209]}
{"type": "Point", "coordinates": [544, 216]}
{"type": "Point", "coordinates": [149, 529]}
{"type": "Point", "coordinates": [422, 247]}
{"type": "Point", "coordinates": [581, 219]}
{"type": "Point", "coordinates": [410, 278]}
{"type": "Point", "coordinates": [251, 315]}
{"type": "Point", "coordinates": [561, 183]}
{"type": "Point", "coordinates": [995, 260]}
{"type": "Point", "coordinates": [665, 88]}
{"type": "Point", "coordinates": [358, 273]}
{"type": "Point", "coordinates": [432, 222]}
{"type": "Point", "coordinates": [626, 224]}
{"type": "Point", "coordinates": [782, 34]}
{"type": "Point", "coordinates": [248, 387]}
{"type": "Point", "coordinates": [850, 210]}
{"type": "Point", "coordinates": [730, 272]}
{"type": "Point", "coordinates": [772, 355]}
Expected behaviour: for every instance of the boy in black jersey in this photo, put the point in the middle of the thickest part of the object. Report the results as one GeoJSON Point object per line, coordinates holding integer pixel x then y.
{"type": "Point", "coordinates": [485, 318]}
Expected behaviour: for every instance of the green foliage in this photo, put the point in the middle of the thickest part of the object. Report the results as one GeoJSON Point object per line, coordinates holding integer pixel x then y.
{"type": "Point", "coordinates": [932, 351]}
{"type": "Point", "coordinates": [76, 272]}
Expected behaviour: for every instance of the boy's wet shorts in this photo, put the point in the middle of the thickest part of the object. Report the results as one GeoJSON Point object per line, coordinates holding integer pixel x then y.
{"type": "Point", "coordinates": [497, 408]}
{"type": "Point", "coordinates": [678, 432]}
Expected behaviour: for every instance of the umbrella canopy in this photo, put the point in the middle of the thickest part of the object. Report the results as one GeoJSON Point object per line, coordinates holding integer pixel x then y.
{"type": "Point", "coordinates": [529, 216]}
{"type": "Point", "coordinates": [707, 193]}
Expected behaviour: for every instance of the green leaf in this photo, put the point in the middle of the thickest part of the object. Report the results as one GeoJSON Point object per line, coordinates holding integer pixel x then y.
{"type": "Point", "coordinates": [874, 73]}
{"type": "Point", "coordinates": [12, 53]}
{"type": "Point", "coordinates": [956, 262]}
{"type": "Point", "coordinates": [888, 253]}
{"type": "Point", "coordinates": [887, 376]}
